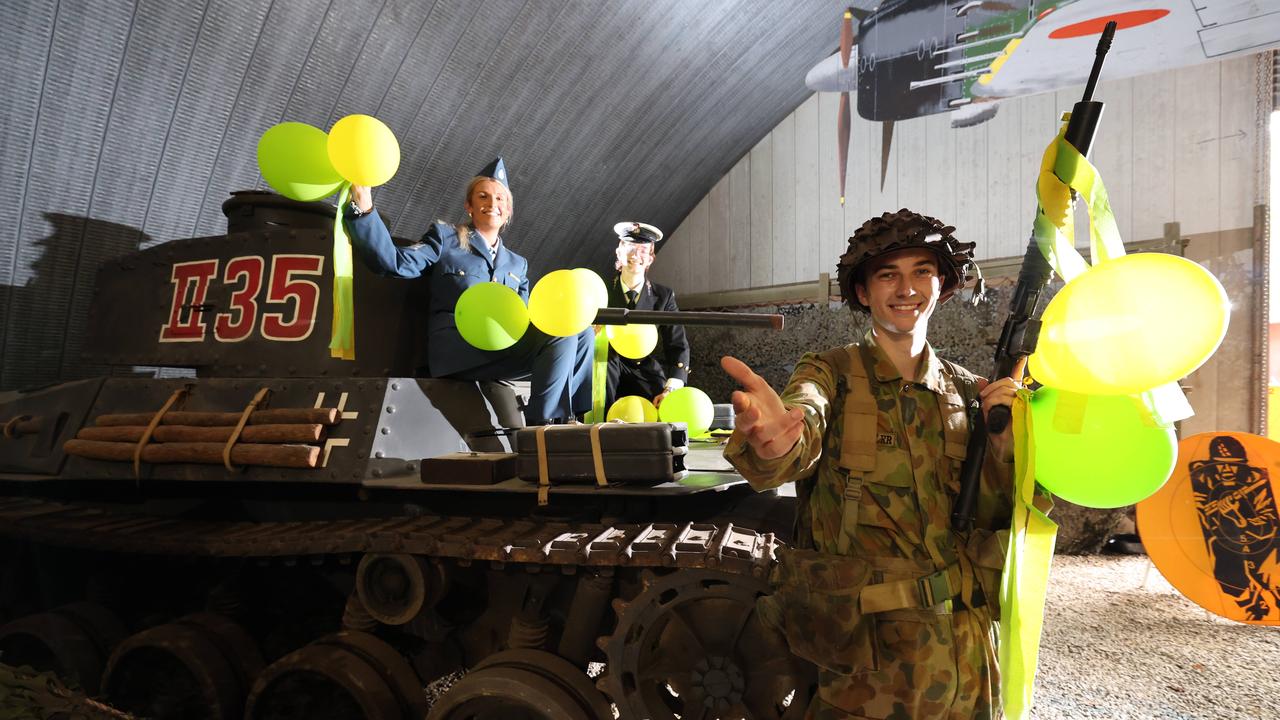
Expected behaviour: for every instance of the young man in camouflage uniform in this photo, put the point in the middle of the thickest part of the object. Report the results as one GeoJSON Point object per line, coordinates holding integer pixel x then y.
{"type": "Point", "coordinates": [895, 608]}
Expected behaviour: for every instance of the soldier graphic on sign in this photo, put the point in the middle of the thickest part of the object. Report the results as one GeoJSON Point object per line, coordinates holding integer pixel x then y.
{"type": "Point", "coordinates": [1238, 516]}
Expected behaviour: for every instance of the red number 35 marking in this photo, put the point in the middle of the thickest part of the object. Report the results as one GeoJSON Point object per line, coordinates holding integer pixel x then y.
{"type": "Point", "coordinates": [287, 284]}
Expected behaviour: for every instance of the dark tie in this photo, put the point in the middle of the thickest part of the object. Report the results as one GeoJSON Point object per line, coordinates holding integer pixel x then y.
{"type": "Point", "coordinates": [631, 298]}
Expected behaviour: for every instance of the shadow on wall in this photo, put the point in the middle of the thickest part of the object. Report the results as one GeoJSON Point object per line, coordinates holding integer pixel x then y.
{"type": "Point", "coordinates": [43, 320]}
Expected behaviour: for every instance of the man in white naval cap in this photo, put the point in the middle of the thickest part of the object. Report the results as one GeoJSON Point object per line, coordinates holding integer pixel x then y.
{"type": "Point", "coordinates": [667, 367]}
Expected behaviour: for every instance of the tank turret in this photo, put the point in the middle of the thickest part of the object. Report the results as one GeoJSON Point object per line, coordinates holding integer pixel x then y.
{"type": "Point", "coordinates": [255, 302]}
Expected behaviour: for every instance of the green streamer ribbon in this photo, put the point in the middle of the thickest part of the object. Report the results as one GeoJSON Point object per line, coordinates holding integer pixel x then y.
{"type": "Point", "coordinates": [342, 339]}
{"type": "Point", "coordinates": [1025, 581]}
{"type": "Point", "coordinates": [599, 375]}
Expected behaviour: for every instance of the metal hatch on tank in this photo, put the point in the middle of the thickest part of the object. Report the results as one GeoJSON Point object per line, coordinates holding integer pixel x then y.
{"type": "Point", "coordinates": [282, 490]}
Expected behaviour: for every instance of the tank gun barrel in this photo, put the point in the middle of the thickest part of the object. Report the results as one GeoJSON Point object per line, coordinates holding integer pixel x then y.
{"type": "Point", "coordinates": [625, 316]}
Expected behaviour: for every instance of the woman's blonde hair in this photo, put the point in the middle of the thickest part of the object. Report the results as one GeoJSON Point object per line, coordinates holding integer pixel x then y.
{"type": "Point", "coordinates": [463, 229]}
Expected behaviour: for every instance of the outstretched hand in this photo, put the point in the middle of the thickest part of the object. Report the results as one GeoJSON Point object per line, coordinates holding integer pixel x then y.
{"type": "Point", "coordinates": [759, 414]}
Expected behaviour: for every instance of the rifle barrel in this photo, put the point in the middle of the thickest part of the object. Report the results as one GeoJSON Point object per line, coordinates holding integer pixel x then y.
{"type": "Point", "coordinates": [625, 316]}
{"type": "Point", "coordinates": [1104, 44]}
{"type": "Point", "coordinates": [1021, 329]}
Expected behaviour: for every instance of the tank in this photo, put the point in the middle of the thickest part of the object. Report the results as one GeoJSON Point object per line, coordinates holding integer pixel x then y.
{"type": "Point", "coordinates": [252, 531]}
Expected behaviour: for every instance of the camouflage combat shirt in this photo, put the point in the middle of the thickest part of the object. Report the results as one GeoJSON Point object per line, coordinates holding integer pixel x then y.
{"type": "Point", "coordinates": [937, 662]}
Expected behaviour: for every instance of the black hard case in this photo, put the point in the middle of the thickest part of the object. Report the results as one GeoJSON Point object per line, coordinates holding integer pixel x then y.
{"type": "Point", "coordinates": [468, 468]}
{"type": "Point", "coordinates": [632, 452]}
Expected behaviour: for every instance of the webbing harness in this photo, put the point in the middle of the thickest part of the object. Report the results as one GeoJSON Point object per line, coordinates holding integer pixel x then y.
{"type": "Point", "coordinates": [858, 457]}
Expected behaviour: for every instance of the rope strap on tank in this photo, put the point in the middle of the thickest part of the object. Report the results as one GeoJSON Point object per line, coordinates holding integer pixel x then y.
{"type": "Point", "coordinates": [597, 457]}
{"type": "Point", "coordinates": [11, 427]}
{"type": "Point", "coordinates": [544, 482]}
{"type": "Point", "coordinates": [244, 420]}
{"type": "Point", "coordinates": [544, 475]}
{"type": "Point", "coordinates": [178, 395]}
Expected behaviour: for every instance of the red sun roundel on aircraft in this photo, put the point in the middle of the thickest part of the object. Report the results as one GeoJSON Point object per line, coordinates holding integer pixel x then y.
{"type": "Point", "coordinates": [1094, 26]}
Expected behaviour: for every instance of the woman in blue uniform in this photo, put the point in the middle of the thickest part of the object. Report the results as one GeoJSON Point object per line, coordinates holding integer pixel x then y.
{"type": "Point", "coordinates": [455, 257]}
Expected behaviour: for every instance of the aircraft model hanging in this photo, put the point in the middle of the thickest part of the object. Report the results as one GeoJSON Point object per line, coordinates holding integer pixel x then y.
{"type": "Point", "coordinates": [912, 58]}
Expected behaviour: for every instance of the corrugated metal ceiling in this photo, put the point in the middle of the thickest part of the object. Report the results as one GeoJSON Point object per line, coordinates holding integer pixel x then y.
{"type": "Point", "coordinates": [127, 124]}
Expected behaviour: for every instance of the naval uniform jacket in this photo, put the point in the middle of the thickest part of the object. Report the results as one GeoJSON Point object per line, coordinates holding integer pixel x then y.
{"type": "Point", "coordinates": [449, 269]}
{"type": "Point", "coordinates": [669, 360]}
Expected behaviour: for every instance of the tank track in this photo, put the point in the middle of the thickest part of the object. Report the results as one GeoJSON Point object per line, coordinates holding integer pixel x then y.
{"type": "Point", "coordinates": [690, 575]}
{"type": "Point", "coordinates": [723, 548]}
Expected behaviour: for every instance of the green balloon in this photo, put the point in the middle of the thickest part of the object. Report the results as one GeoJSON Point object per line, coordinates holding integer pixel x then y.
{"type": "Point", "coordinates": [1099, 451]}
{"type": "Point", "coordinates": [690, 406]}
{"type": "Point", "coordinates": [491, 316]}
{"type": "Point", "coordinates": [294, 160]}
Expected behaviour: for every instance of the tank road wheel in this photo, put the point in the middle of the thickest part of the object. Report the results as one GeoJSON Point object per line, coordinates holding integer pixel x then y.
{"type": "Point", "coordinates": [559, 671]}
{"type": "Point", "coordinates": [73, 641]}
{"type": "Point", "coordinates": [691, 646]}
{"type": "Point", "coordinates": [395, 588]}
{"type": "Point", "coordinates": [199, 666]}
{"type": "Point", "coordinates": [345, 675]}
{"type": "Point", "coordinates": [500, 692]}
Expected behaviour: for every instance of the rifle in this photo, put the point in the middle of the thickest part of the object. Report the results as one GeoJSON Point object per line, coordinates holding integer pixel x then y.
{"type": "Point", "coordinates": [1021, 329]}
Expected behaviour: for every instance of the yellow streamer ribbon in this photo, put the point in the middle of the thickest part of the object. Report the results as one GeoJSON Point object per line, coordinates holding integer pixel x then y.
{"type": "Point", "coordinates": [342, 339]}
{"type": "Point", "coordinates": [599, 375]}
{"type": "Point", "coordinates": [1025, 581]}
{"type": "Point", "coordinates": [1063, 169]}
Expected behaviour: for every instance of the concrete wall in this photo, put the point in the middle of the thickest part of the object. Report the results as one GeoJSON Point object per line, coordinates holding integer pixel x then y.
{"type": "Point", "coordinates": [1182, 146]}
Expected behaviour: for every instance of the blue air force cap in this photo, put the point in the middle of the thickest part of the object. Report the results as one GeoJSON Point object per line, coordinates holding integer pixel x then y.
{"type": "Point", "coordinates": [496, 170]}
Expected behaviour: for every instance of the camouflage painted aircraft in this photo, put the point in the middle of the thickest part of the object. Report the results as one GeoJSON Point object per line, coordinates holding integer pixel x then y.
{"type": "Point", "coordinates": [912, 58]}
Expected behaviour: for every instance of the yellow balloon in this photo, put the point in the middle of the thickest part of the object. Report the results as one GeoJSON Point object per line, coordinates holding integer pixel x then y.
{"type": "Point", "coordinates": [562, 303]}
{"type": "Point", "coordinates": [599, 291]}
{"type": "Point", "coordinates": [632, 409]}
{"type": "Point", "coordinates": [363, 150]}
{"type": "Point", "coordinates": [633, 341]}
{"type": "Point", "coordinates": [1131, 324]}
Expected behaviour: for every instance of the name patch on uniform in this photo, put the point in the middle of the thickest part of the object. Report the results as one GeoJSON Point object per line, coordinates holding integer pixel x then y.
{"type": "Point", "coordinates": [886, 439]}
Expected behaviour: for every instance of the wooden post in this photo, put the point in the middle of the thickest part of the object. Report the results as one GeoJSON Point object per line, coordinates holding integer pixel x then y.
{"type": "Point", "coordinates": [1261, 376]}
{"type": "Point", "coordinates": [1175, 246]}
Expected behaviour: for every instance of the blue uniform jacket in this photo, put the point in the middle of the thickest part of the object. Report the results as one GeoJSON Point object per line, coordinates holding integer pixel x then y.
{"type": "Point", "coordinates": [449, 269]}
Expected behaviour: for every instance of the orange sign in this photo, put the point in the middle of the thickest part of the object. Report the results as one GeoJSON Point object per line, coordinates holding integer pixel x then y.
{"type": "Point", "coordinates": [1213, 530]}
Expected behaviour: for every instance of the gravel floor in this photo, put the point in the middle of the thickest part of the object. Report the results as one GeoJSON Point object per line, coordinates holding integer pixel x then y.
{"type": "Point", "coordinates": [1119, 642]}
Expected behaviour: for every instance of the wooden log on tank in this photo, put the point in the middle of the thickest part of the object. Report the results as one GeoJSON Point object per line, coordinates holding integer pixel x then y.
{"type": "Point", "coordinates": [187, 433]}
{"type": "Point", "coordinates": [282, 416]}
{"type": "Point", "coordinates": [292, 456]}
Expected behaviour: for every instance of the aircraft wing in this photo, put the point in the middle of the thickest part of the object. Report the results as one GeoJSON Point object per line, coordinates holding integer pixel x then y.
{"type": "Point", "coordinates": [920, 57]}
{"type": "Point", "coordinates": [1152, 35]}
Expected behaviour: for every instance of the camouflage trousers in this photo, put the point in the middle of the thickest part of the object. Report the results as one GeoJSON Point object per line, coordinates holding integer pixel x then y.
{"type": "Point", "coordinates": [931, 667]}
